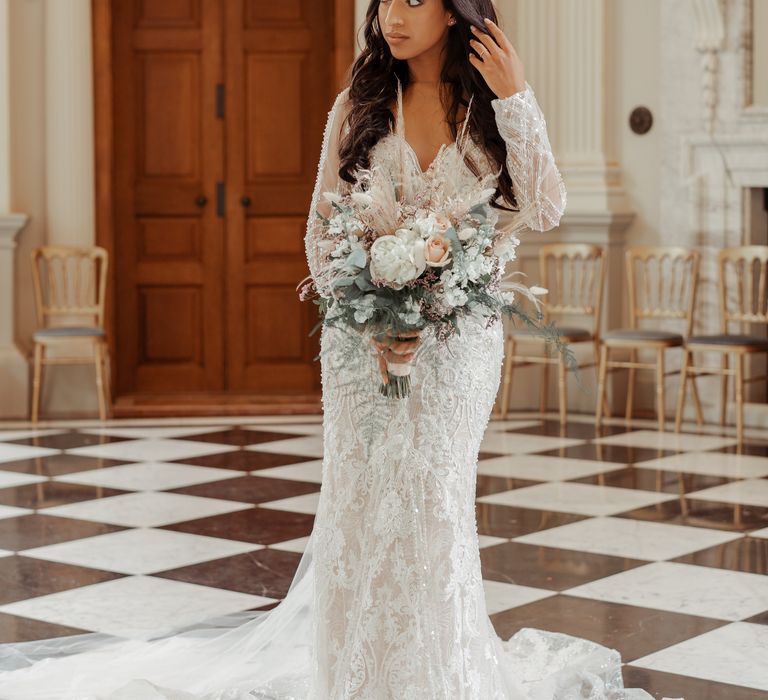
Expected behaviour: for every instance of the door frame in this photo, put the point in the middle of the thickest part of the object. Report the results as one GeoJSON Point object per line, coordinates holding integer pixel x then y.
{"type": "Point", "coordinates": [103, 117]}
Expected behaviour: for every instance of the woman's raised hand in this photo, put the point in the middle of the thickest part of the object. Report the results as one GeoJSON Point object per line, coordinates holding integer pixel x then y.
{"type": "Point", "coordinates": [498, 61]}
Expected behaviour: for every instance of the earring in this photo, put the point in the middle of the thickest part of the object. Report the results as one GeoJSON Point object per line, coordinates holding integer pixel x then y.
{"type": "Point", "coordinates": [452, 20]}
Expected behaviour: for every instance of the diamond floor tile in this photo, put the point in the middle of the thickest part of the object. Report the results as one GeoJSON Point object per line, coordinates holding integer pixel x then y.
{"type": "Point", "coordinates": [152, 450]}
{"type": "Point", "coordinates": [146, 509]}
{"type": "Point", "coordinates": [584, 499]}
{"type": "Point", "coordinates": [693, 590]}
{"type": "Point", "coordinates": [137, 607]}
{"type": "Point", "coordinates": [733, 654]}
{"type": "Point", "coordinates": [140, 550]}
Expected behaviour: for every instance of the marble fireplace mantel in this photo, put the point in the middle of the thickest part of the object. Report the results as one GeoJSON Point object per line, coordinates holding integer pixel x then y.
{"type": "Point", "coordinates": [719, 170]}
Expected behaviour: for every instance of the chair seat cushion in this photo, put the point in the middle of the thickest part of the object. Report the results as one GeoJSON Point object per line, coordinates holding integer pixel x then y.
{"type": "Point", "coordinates": [630, 335]}
{"type": "Point", "coordinates": [570, 332]}
{"type": "Point", "coordinates": [68, 332]}
{"type": "Point", "coordinates": [723, 339]}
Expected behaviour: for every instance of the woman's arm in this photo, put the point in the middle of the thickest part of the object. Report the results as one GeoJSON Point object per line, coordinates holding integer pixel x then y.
{"type": "Point", "coordinates": [537, 182]}
{"type": "Point", "coordinates": [539, 189]}
{"type": "Point", "coordinates": [327, 180]}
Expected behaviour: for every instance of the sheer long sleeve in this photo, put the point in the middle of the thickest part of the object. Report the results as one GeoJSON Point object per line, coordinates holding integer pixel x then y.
{"type": "Point", "coordinates": [538, 185]}
{"type": "Point", "coordinates": [327, 180]}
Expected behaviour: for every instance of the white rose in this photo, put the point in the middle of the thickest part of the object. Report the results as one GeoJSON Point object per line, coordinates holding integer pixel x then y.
{"type": "Point", "coordinates": [398, 258]}
{"type": "Point", "coordinates": [466, 233]}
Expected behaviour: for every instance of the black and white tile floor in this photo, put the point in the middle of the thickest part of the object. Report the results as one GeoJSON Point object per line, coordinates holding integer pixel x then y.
{"type": "Point", "coordinates": [653, 543]}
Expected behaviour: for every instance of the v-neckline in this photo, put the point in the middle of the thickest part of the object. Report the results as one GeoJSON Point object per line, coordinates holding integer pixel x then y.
{"type": "Point", "coordinates": [443, 147]}
{"type": "Point", "coordinates": [400, 132]}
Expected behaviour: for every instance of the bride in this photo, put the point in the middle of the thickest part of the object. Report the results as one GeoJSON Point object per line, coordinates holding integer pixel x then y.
{"type": "Point", "coordinates": [387, 602]}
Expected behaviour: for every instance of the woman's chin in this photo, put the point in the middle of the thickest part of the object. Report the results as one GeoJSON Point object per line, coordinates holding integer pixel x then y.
{"type": "Point", "coordinates": [400, 52]}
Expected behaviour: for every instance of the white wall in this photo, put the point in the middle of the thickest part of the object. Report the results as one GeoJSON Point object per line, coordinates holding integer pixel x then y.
{"type": "Point", "coordinates": [637, 35]}
{"type": "Point", "coordinates": [637, 79]}
{"type": "Point", "coordinates": [5, 124]}
{"type": "Point", "coordinates": [760, 59]}
{"type": "Point", "coordinates": [46, 110]}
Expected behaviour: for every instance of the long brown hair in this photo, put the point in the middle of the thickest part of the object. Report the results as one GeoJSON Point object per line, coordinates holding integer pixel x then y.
{"type": "Point", "coordinates": [373, 88]}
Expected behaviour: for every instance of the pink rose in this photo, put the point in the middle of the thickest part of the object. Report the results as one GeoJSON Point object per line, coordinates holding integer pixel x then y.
{"type": "Point", "coordinates": [437, 251]}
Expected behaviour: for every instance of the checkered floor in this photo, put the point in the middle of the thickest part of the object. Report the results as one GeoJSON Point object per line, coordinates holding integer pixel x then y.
{"type": "Point", "coordinates": [654, 544]}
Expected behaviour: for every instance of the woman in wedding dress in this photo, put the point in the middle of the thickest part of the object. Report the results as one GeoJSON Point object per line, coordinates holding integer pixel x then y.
{"type": "Point", "coordinates": [387, 602]}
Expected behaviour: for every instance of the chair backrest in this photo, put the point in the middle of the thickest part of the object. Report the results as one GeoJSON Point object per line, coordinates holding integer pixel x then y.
{"type": "Point", "coordinates": [662, 283]}
{"type": "Point", "coordinates": [743, 295]}
{"type": "Point", "coordinates": [574, 274]}
{"type": "Point", "coordinates": [70, 284]}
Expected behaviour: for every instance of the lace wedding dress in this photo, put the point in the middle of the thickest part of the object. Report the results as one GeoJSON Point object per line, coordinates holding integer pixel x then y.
{"type": "Point", "coordinates": [387, 602]}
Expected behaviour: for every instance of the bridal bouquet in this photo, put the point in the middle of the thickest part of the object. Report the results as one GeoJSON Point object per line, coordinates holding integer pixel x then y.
{"type": "Point", "coordinates": [393, 266]}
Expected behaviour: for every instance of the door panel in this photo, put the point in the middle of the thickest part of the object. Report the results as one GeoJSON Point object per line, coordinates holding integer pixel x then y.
{"type": "Point", "coordinates": [169, 155]}
{"type": "Point", "coordinates": [280, 84]}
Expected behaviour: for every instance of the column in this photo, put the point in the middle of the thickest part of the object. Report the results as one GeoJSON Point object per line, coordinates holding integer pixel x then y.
{"type": "Point", "coordinates": [5, 112]}
{"type": "Point", "coordinates": [14, 376]}
{"type": "Point", "coordinates": [567, 52]}
{"type": "Point", "coordinates": [566, 47]}
{"type": "Point", "coordinates": [69, 123]}
{"type": "Point", "coordinates": [70, 186]}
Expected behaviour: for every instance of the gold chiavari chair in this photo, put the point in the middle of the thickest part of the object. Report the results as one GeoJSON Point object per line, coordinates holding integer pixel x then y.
{"type": "Point", "coordinates": [70, 290]}
{"type": "Point", "coordinates": [575, 277]}
{"type": "Point", "coordinates": [662, 286]}
{"type": "Point", "coordinates": [743, 301]}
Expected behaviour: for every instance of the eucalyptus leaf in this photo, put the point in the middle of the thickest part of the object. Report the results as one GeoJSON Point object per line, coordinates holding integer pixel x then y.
{"type": "Point", "coordinates": [364, 283]}
{"type": "Point", "coordinates": [344, 281]}
{"type": "Point", "coordinates": [357, 258]}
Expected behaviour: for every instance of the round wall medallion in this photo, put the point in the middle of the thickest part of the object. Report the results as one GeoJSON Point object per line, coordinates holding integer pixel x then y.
{"type": "Point", "coordinates": [641, 120]}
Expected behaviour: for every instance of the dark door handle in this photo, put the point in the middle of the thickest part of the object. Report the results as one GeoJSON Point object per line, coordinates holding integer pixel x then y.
{"type": "Point", "coordinates": [201, 201]}
{"type": "Point", "coordinates": [245, 201]}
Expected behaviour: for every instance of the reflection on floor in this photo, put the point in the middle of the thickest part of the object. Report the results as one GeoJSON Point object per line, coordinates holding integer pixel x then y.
{"type": "Point", "coordinates": [654, 544]}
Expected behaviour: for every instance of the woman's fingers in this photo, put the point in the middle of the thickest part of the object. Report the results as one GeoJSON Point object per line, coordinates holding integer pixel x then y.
{"type": "Point", "coordinates": [383, 369]}
{"type": "Point", "coordinates": [399, 346]}
{"type": "Point", "coordinates": [483, 43]}
{"type": "Point", "coordinates": [394, 346]}
{"type": "Point", "coordinates": [482, 52]}
{"type": "Point", "coordinates": [403, 334]}
{"type": "Point", "coordinates": [395, 351]}
{"type": "Point", "coordinates": [498, 35]}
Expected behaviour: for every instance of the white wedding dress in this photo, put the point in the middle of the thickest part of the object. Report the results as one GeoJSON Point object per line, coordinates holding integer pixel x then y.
{"type": "Point", "coordinates": [387, 602]}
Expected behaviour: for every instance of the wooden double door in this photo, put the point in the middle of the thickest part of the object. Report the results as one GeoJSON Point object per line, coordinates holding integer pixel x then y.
{"type": "Point", "coordinates": [217, 109]}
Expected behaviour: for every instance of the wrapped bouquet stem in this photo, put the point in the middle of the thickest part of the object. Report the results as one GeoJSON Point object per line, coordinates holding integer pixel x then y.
{"type": "Point", "coordinates": [397, 382]}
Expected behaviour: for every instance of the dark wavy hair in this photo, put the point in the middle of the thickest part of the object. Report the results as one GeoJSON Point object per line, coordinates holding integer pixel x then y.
{"type": "Point", "coordinates": [373, 80]}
